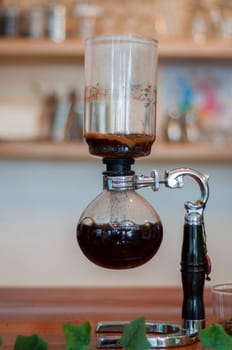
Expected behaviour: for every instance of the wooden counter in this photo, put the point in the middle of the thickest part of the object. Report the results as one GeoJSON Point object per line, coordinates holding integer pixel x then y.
{"type": "Point", "coordinates": [43, 310]}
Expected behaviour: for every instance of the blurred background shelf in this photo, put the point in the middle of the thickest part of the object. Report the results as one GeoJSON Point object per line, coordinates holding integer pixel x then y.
{"type": "Point", "coordinates": [73, 48]}
{"type": "Point", "coordinates": [78, 151]}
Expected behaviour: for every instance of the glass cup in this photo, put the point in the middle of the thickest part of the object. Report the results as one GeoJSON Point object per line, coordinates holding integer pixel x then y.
{"type": "Point", "coordinates": [222, 305]}
{"type": "Point", "coordinates": [120, 95]}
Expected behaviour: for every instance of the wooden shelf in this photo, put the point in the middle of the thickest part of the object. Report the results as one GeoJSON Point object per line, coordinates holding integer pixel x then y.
{"type": "Point", "coordinates": [161, 152]}
{"type": "Point", "coordinates": [40, 48]}
{"type": "Point", "coordinates": [188, 49]}
{"type": "Point", "coordinates": [73, 48]}
{"type": "Point", "coordinates": [44, 150]}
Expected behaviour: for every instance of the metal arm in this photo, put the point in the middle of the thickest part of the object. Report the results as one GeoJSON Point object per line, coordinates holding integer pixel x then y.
{"type": "Point", "coordinates": [174, 178]}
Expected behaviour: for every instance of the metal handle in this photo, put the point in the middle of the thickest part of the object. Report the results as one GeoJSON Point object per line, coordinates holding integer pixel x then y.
{"type": "Point", "coordinates": [193, 258]}
{"type": "Point", "coordinates": [193, 272]}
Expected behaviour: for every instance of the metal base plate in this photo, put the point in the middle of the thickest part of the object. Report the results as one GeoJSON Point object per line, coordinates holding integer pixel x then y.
{"type": "Point", "coordinates": [159, 334]}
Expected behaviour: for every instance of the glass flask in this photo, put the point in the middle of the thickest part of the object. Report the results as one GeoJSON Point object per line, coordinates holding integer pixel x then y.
{"type": "Point", "coordinates": [120, 95]}
{"type": "Point", "coordinates": [119, 229]}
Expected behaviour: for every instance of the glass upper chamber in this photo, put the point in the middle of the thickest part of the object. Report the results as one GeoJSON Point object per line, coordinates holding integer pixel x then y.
{"type": "Point", "coordinates": [120, 95]}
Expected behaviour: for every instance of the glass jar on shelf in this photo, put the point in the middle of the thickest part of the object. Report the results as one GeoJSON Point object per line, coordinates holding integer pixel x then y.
{"type": "Point", "coordinates": [200, 25]}
{"type": "Point", "coordinates": [86, 16]}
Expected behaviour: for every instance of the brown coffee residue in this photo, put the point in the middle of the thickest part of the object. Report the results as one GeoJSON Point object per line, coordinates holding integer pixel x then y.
{"type": "Point", "coordinates": [119, 145]}
{"type": "Point", "coordinates": [144, 94]}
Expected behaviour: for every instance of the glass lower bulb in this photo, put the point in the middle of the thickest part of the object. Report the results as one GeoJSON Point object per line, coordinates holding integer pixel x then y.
{"type": "Point", "coordinates": [119, 230]}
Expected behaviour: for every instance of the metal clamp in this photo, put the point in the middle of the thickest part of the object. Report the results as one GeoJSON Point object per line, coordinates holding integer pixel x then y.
{"type": "Point", "coordinates": [148, 181]}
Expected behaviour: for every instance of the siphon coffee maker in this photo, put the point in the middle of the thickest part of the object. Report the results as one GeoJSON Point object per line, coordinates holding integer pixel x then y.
{"type": "Point", "coordinates": [119, 229]}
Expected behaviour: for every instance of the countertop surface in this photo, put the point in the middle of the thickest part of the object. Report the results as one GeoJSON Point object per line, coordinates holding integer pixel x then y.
{"type": "Point", "coordinates": [43, 311]}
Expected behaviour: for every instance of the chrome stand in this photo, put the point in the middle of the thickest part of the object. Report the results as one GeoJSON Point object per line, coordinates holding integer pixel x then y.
{"type": "Point", "coordinates": [194, 269]}
{"type": "Point", "coordinates": [160, 335]}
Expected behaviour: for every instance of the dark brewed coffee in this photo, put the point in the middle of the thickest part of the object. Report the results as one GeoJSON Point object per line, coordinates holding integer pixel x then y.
{"type": "Point", "coordinates": [119, 247]}
{"type": "Point", "coordinates": [118, 145]}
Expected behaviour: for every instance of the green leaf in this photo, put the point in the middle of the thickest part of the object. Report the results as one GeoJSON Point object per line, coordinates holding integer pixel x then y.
{"type": "Point", "coordinates": [215, 337]}
{"type": "Point", "coordinates": [134, 336]}
{"type": "Point", "coordinates": [31, 342]}
{"type": "Point", "coordinates": [78, 337]}
{"type": "Point", "coordinates": [1, 341]}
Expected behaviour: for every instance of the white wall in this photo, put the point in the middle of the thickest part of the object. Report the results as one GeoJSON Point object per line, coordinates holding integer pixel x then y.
{"type": "Point", "coordinates": [40, 203]}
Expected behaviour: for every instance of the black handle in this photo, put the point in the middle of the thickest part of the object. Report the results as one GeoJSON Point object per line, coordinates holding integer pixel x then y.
{"type": "Point", "coordinates": [193, 271]}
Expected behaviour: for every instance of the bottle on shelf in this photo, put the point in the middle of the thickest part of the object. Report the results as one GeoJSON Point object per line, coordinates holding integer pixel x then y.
{"type": "Point", "coordinates": [73, 128]}
{"type": "Point", "coordinates": [57, 18]}
{"type": "Point", "coordinates": [47, 116]}
{"type": "Point", "coordinates": [37, 21]}
{"type": "Point", "coordinates": [9, 20]}
{"type": "Point", "coordinates": [174, 126]}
